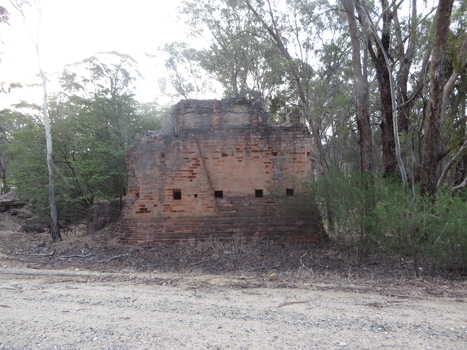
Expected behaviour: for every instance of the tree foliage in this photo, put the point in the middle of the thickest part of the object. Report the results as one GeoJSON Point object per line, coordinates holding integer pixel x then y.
{"type": "Point", "coordinates": [95, 120]}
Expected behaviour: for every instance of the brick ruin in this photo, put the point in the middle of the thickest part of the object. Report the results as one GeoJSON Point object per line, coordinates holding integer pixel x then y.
{"type": "Point", "coordinates": [218, 169]}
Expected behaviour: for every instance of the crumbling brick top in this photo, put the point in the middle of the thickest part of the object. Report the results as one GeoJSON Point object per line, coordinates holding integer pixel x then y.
{"type": "Point", "coordinates": [213, 114]}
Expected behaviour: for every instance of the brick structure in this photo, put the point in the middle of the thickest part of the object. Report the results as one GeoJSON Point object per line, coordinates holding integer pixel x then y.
{"type": "Point", "coordinates": [217, 169]}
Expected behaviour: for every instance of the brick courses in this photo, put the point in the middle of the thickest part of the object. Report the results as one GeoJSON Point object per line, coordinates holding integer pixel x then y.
{"type": "Point", "coordinates": [217, 169]}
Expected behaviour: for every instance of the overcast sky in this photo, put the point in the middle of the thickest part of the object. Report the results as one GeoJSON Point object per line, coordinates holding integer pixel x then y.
{"type": "Point", "coordinates": [73, 30]}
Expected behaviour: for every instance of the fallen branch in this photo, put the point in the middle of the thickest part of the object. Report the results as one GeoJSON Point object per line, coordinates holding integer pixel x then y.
{"type": "Point", "coordinates": [113, 258]}
{"type": "Point", "coordinates": [42, 255]}
{"type": "Point", "coordinates": [264, 267]}
{"type": "Point", "coordinates": [74, 256]}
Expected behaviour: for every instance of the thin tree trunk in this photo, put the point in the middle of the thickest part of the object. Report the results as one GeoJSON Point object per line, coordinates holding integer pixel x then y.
{"type": "Point", "coordinates": [54, 228]}
{"type": "Point", "coordinates": [388, 95]}
{"type": "Point", "coordinates": [450, 164]}
{"type": "Point", "coordinates": [430, 156]}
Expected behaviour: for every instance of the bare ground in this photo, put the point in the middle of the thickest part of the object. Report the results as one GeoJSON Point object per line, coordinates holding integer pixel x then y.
{"type": "Point", "coordinates": [88, 292]}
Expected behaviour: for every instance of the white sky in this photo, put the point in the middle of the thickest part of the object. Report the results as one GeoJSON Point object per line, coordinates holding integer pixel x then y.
{"type": "Point", "coordinates": [74, 30]}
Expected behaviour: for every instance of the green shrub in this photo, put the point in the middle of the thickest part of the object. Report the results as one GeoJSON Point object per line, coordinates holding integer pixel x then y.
{"type": "Point", "coordinates": [376, 212]}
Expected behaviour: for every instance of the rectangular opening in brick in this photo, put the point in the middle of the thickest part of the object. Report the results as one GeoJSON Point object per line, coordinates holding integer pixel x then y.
{"type": "Point", "coordinates": [259, 193]}
{"type": "Point", "coordinates": [177, 194]}
{"type": "Point", "coordinates": [218, 194]}
{"type": "Point", "coordinates": [289, 192]}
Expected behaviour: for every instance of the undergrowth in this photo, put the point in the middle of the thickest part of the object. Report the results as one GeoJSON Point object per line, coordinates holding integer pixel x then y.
{"type": "Point", "coordinates": [376, 214]}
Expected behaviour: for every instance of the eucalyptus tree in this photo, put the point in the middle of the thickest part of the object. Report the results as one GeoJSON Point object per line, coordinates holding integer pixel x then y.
{"type": "Point", "coordinates": [244, 64]}
{"type": "Point", "coordinates": [184, 72]}
{"type": "Point", "coordinates": [362, 87]}
{"type": "Point", "coordinates": [453, 110]}
{"type": "Point", "coordinates": [431, 146]}
{"type": "Point", "coordinates": [19, 5]}
{"type": "Point", "coordinates": [97, 122]}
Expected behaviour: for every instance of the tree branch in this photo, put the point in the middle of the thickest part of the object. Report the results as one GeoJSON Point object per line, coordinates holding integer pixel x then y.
{"type": "Point", "coordinates": [450, 164]}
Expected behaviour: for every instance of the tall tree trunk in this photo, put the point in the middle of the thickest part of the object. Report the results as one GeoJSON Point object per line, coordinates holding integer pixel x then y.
{"type": "Point", "coordinates": [431, 151]}
{"type": "Point", "coordinates": [362, 90]}
{"type": "Point", "coordinates": [390, 166]}
{"type": "Point", "coordinates": [54, 228]}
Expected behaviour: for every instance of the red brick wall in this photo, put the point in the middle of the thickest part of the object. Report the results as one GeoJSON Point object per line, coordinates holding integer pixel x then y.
{"type": "Point", "coordinates": [209, 146]}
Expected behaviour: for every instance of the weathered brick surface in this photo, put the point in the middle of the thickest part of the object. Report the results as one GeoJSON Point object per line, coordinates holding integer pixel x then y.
{"type": "Point", "coordinates": [212, 149]}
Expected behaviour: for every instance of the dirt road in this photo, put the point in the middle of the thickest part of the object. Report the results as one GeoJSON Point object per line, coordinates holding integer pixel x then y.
{"type": "Point", "coordinates": [42, 309]}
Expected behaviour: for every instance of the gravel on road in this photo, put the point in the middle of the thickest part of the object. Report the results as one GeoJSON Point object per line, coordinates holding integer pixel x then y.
{"type": "Point", "coordinates": [42, 309]}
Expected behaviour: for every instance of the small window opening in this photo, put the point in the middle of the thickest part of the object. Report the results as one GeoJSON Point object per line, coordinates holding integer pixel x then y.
{"type": "Point", "coordinates": [196, 195]}
{"type": "Point", "coordinates": [218, 194]}
{"type": "Point", "coordinates": [177, 194]}
{"type": "Point", "coordinates": [162, 155]}
{"type": "Point", "coordinates": [259, 193]}
{"type": "Point", "coordinates": [289, 192]}
{"type": "Point", "coordinates": [308, 154]}
{"type": "Point", "coordinates": [274, 153]}
{"type": "Point", "coordinates": [224, 154]}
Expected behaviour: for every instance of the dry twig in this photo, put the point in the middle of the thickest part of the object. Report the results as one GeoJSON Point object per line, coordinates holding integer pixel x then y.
{"type": "Point", "coordinates": [41, 255]}
{"type": "Point", "coordinates": [113, 258]}
{"type": "Point", "coordinates": [74, 256]}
